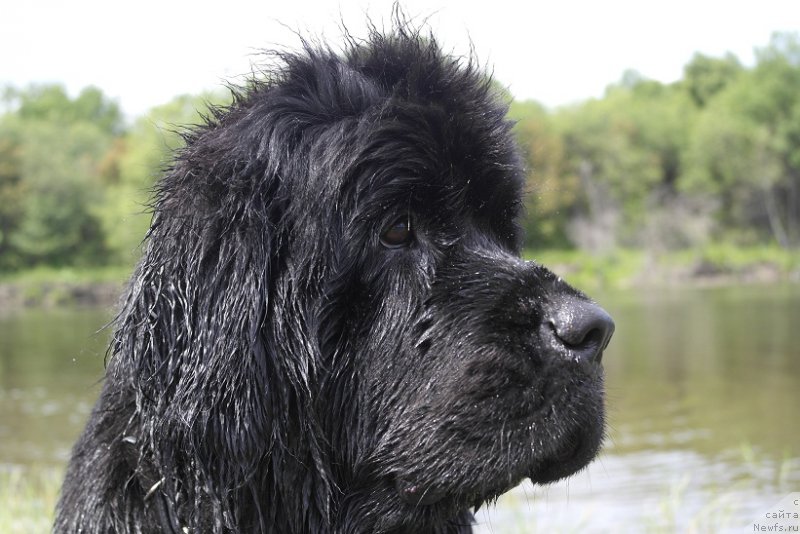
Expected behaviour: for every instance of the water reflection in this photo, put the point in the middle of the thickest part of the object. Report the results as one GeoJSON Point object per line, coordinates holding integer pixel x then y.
{"type": "Point", "coordinates": [51, 363]}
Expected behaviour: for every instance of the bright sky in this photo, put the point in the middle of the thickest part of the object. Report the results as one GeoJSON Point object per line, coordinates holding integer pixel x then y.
{"type": "Point", "coordinates": [555, 51]}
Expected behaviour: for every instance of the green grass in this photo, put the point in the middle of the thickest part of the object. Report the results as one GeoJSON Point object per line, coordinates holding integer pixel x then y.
{"type": "Point", "coordinates": [614, 269]}
{"type": "Point", "coordinates": [717, 263]}
{"type": "Point", "coordinates": [50, 286]}
{"type": "Point", "coordinates": [28, 498]}
{"type": "Point", "coordinates": [67, 275]}
{"type": "Point", "coordinates": [738, 258]}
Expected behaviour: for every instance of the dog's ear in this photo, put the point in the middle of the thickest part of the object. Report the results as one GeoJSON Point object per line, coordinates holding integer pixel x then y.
{"type": "Point", "coordinates": [190, 343]}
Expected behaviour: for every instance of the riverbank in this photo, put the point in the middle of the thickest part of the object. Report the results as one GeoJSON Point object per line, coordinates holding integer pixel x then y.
{"type": "Point", "coordinates": [620, 269]}
{"type": "Point", "coordinates": [51, 287]}
{"type": "Point", "coordinates": [715, 265]}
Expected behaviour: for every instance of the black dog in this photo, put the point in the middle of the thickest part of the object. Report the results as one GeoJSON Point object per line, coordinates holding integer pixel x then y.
{"type": "Point", "coordinates": [331, 330]}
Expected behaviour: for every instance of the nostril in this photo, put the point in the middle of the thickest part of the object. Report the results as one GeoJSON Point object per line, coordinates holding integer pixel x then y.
{"type": "Point", "coordinates": [584, 328]}
{"type": "Point", "coordinates": [591, 338]}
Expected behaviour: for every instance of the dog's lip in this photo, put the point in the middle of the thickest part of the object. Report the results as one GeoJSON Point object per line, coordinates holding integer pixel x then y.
{"type": "Point", "coordinates": [566, 461]}
{"type": "Point", "coordinates": [417, 494]}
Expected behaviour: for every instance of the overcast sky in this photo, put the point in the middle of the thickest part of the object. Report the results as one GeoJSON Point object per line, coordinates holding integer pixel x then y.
{"type": "Point", "coordinates": [556, 51]}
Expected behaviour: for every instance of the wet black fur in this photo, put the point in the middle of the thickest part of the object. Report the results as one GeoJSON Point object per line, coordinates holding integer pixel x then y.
{"type": "Point", "coordinates": [275, 368]}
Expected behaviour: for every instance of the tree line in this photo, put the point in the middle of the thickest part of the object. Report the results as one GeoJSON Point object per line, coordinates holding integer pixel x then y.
{"type": "Point", "coordinates": [714, 156]}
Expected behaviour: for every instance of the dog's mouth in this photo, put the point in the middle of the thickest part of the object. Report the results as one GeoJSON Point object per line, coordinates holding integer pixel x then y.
{"type": "Point", "coordinates": [571, 458]}
{"type": "Point", "coordinates": [418, 495]}
{"type": "Point", "coordinates": [577, 452]}
{"type": "Point", "coordinates": [566, 451]}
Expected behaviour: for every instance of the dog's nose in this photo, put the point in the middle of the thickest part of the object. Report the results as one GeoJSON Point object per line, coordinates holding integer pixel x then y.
{"type": "Point", "coordinates": [582, 328]}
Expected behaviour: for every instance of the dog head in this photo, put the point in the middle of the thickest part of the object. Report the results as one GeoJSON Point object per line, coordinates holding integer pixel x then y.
{"type": "Point", "coordinates": [332, 318]}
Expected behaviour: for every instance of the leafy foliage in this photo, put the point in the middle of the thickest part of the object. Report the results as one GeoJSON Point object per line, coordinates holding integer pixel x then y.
{"type": "Point", "coordinates": [714, 157]}
{"type": "Point", "coordinates": [74, 181]}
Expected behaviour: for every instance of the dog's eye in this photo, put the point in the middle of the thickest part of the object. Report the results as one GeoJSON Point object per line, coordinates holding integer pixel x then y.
{"type": "Point", "coordinates": [398, 234]}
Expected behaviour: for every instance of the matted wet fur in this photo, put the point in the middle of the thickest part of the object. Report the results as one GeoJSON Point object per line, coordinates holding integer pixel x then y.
{"type": "Point", "coordinates": [331, 330]}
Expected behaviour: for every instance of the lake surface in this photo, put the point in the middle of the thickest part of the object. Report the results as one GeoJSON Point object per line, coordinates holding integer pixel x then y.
{"type": "Point", "coordinates": [703, 396]}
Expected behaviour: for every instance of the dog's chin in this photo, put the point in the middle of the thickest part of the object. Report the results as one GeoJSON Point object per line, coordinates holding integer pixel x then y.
{"type": "Point", "coordinates": [570, 460]}
{"type": "Point", "coordinates": [543, 461]}
{"type": "Point", "coordinates": [574, 455]}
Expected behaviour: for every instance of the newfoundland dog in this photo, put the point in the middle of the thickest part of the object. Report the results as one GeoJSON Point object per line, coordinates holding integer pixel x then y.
{"type": "Point", "coordinates": [331, 329]}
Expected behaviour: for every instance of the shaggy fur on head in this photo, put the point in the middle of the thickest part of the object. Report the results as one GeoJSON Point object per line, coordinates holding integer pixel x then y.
{"type": "Point", "coordinates": [331, 330]}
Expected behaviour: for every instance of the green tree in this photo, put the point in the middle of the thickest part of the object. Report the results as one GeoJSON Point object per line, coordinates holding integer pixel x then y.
{"type": "Point", "coordinates": [11, 196]}
{"type": "Point", "coordinates": [626, 152]}
{"type": "Point", "coordinates": [52, 104]}
{"type": "Point", "coordinates": [746, 147]}
{"type": "Point", "coordinates": [59, 174]}
{"type": "Point", "coordinates": [705, 76]}
{"type": "Point", "coordinates": [551, 191]}
{"type": "Point", "coordinates": [133, 165]}
{"type": "Point", "coordinates": [50, 149]}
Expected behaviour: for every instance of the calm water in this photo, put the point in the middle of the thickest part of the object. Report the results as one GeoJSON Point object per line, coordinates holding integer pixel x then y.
{"type": "Point", "coordinates": [704, 404]}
